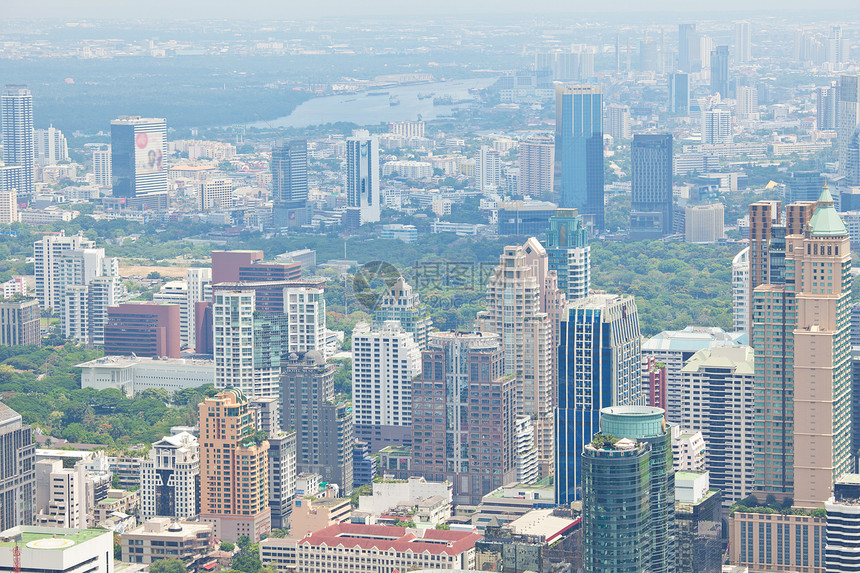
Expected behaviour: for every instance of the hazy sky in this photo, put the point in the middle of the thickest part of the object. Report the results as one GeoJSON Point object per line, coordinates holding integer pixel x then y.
{"type": "Point", "coordinates": [289, 9]}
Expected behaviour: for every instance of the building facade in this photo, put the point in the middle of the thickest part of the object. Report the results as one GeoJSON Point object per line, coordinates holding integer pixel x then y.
{"type": "Point", "coordinates": [17, 470]}
{"type": "Point", "coordinates": [652, 200]}
{"type": "Point", "coordinates": [170, 478]}
{"type": "Point", "coordinates": [16, 123]}
{"type": "Point", "coordinates": [138, 154]}
{"type": "Point", "coordinates": [289, 169]}
{"type": "Point", "coordinates": [569, 253]}
{"type": "Point", "coordinates": [362, 176]}
{"type": "Point", "coordinates": [20, 322]}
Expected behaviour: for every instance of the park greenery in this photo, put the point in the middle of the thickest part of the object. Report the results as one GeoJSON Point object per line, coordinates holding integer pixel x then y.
{"type": "Point", "coordinates": [771, 505]}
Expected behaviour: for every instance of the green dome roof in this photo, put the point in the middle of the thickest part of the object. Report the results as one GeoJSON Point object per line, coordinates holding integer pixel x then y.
{"type": "Point", "coordinates": [825, 222]}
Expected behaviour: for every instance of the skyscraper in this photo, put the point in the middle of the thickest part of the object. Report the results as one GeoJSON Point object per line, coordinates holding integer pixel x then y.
{"type": "Point", "coordinates": [362, 175]}
{"type": "Point", "coordinates": [805, 186]}
{"type": "Point", "coordinates": [618, 123]}
{"type": "Point", "coordinates": [720, 71]}
{"type": "Point", "coordinates": [652, 206]}
{"type": "Point", "coordinates": [579, 151]}
{"type": "Point", "coordinates": [17, 471]}
{"type": "Point", "coordinates": [456, 436]}
{"type": "Point", "coordinates": [402, 304]}
{"type": "Point", "coordinates": [16, 117]}
{"type": "Point", "coordinates": [101, 167]}
{"type": "Point", "coordinates": [741, 291]}
{"type": "Point", "coordinates": [716, 126]}
{"type": "Point", "coordinates": [50, 146]}
{"type": "Point", "coordinates": [743, 42]}
{"type": "Point", "coordinates": [825, 107]}
{"type": "Point", "coordinates": [234, 469]}
{"type": "Point", "coordinates": [289, 169]}
{"type": "Point", "coordinates": [599, 365]}
{"type": "Point", "coordinates": [747, 98]}
{"type": "Point", "coordinates": [686, 37]}
{"type": "Point", "coordinates": [802, 397]}
{"type": "Point", "coordinates": [628, 501]}
{"type": "Point", "coordinates": [170, 478]}
{"type": "Point", "coordinates": [679, 93]}
{"type": "Point", "coordinates": [848, 117]}
{"type": "Point", "coordinates": [48, 256]}
{"type": "Point", "coordinates": [537, 158]}
{"type": "Point", "coordinates": [569, 253]}
{"type": "Point", "coordinates": [138, 153]}
{"type": "Point", "coordinates": [488, 169]}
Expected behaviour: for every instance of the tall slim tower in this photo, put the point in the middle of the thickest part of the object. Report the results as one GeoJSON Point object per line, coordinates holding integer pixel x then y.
{"type": "Point", "coordinates": [537, 158]}
{"type": "Point", "coordinates": [652, 205]}
{"type": "Point", "coordinates": [825, 108]}
{"type": "Point", "coordinates": [720, 71]}
{"type": "Point", "coordinates": [679, 93]}
{"type": "Point", "coordinates": [686, 37]}
{"type": "Point", "coordinates": [743, 42]}
{"type": "Point", "coordinates": [569, 253]}
{"type": "Point", "coordinates": [579, 151]}
{"type": "Point", "coordinates": [17, 472]}
{"type": "Point", "coordinates": [16, 116]}
{"type": "Point", "coordinates": [848, 117]}
{"type": "Point", "coordinates": [362, 175]}
{"type": "Point", "coordinates": [289, 169]}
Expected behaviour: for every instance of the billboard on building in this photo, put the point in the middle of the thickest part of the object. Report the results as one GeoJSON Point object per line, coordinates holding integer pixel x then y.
{"type": "Point", "coordinates": [148, 153]}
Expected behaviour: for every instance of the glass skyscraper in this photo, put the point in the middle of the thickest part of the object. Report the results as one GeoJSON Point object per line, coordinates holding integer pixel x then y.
{"type": "Point", "coordinates": [679, 93]}
{"type": "Point", "coordinates": [651, 215]}
{"type": "Point", "coordinates": [579, 151]}
{"type": "Point", "coordinates": [16, 117]}
{"type": "Point", "coordinates": [138, 150]}
{"type": "Point", "coordinates": [290, 183]}
{"type": "Point", "coordinates": [569, 253]}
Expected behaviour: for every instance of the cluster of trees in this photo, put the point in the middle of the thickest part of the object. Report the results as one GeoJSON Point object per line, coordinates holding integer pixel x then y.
{"type": "Point", "coordinates": [751, 504]}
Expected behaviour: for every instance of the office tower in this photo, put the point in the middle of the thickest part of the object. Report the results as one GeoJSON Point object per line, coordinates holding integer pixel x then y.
{"type": "Point", "coordinates": [101, 167]}
{"type": "Point", "coordinates": [282, 477]}
{"type": "Point", "coordinates": [525, 332]}
{"type": "Point", "coordinates": [741, 292]}
{"type": "Point", "coordinates": [569, 253]}
{"type": "Point", "coordinates": [362, 175]}
{"type": "Point", "coordinates": [469, 442]}
{"type": "Point", "coordinates": [290, 184]}
{"type": "Point", "coordinates": [649, 55]}
{"type": "Point", "coordinates": [323, 423]}
{"type": "Point", "coordinates": [716, 126]}
{"type": "Point", "coordinates": [216, 194]}
{"type": "Point", "coordinates": [170, 478]}
{"type": "Point", "coordinates": [842, 552]}
{"type": "Point", "coordinates": [143, 329]}
{"type": "Point", "coordinates": [17, 471]}
{"type": "Point", "coordinates": [679, 93]}
{"type": "Point", "coordinates": [20, 322]}
{"type": "Point", "coordinates": [618, 122]}
{"type": "Point", "coordinates": [138, 153]}
{"type": "Point", "coordinates": [579, 151]}
{"type": "Point", "coordinates": [720, 71]}
{"type": "Point", "coordinates": [537, 160]}
{"type": "Point", "coordinates": [488, 169]}
{"type": "Point", "coordinates": [848, 117]}
{"type": "Point", "coordinates": [805, 186]}
{"type": "Point", "coordinates": [385, 360]}
{"type": "Point", "coordinates": [16, 120]}
{"type": "Point", "coordinates": [718, 399]}
{"type": "Point", "coordinates": [50, 146]}
{"type": "Point", "coordinates": [704, 223]}
{"type": "Point", "coordinates": [698, 518]}
{"type": "Point", "coordinates": [48, 254]}
{"type": "Point", "coordinates": [176, 292]}
{"type": "Point", "coordinates": [599, 365]}
{"type": "Point", "coordinates": [400, 303]}
{"type": "Point", "coordinates": [806, 294]}
{"type": "Point", "coordinates": [628, 493]}
{"type": "Point", "coordinates": [825, 107]}
{"type": "Point", "coordinates": [747, 98]}
{"type": "Point", "coordinates": [234, 469]}
{"type": "Point", "coordinates": [701, 60]}
{"type": "Point", "coordinates": [199, 281]}
{"type": "Point", "coordinates": [743, 42]}
{"type": "Point", "coordinates": [686, 37]}
{"type": "Point", "coordinates": [652, 200]}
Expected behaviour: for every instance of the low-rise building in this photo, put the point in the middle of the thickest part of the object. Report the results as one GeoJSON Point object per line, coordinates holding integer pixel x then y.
{"type": "Point", "coordinates": [162, 538]}
{"type": "Point", "coordinates": [508, 503]}
{"type": "Point", "coordinates": [769, 541]}
{"type": "Point", "coordinates": [117, 500]}
{"type": "Point", "coordinates": [310, 515]}
{"type": "Point", "coordinates": [55, 549]}
{"type": "Point", "coordinates": [133, 375]}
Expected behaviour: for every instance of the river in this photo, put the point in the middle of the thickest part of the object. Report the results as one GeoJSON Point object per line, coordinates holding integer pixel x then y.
{"type": "Point", "coordinates": [365, 109]}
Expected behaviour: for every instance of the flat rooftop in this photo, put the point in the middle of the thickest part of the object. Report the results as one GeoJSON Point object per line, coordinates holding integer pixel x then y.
{"type": "Point", "coordinates": [126, 361]}
{"type": "Point", "coordinates": [48, 538]}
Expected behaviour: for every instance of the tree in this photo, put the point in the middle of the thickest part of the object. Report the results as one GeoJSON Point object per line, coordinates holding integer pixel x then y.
{"type": "Point", "coordinates": [167, 566]}
{"type": "Point", "coordinates": [227, 546]}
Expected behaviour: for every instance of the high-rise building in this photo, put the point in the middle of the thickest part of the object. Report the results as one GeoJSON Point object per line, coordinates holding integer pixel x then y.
{"type": "Point", "coordinates": [741, 292]}
{"type": "Point", "coordinates": [170, 478]}
{"type": "Point", "coordinates": [842, 552]}
{"type": "Point", "coordinates": [837, 48]}
{"type": "Point", "coordinates": [20, 322]}
{"type": "Point", "coordinates": [456, 435]}
{"type": "Point", "coordinates": [282, 477]}
{"type": "Point", "coordinates": [289, 169]}
{"type": "Point", "coordinates": [537, 166]}
{"type": "Point", "coordinates": [48, 255]}
{"type": "Point", "coordinates": [322, 422]}
{"type": "Point", "coordinates": [176, 292]}
{"type": "Point", "coordinates": [138, 153]}
{"type": "Point", "coordinates": [618, 122]}
{"type": "Point", "coordinates": [407, 129]}
{"type": "Point", "coordinates": [234, 469]}
{"type": "Point", "coordinates": [88, 282]}
{"type": "Point", "coordinates": [802, 397]}
{"type": "Point", "coordinates": [847, 117]}
{"type": "Point", "coordinates": [825, 107]}
{"type": "Point", "coordinates": [385, 359]}
{"type": "Point", "coordinates": [805, 186]}
{"type": "Point", "coordinates": [216, 194]}
{"type": "Point", "coordinates": [143, 329]}
{"type": "Point", "coordinates": [599, 365]}
{"type": "Point", "coordinates": [8, 205]}
{"type": "Point", "coordinates": [579, 160]}
{"type": "Point", "coordinates": [747, 98]}
{"type": "Point", "coordinates": [652, 200]}
{"type": "Point", "coordinates": [101, 167]}
{"type": "Point", "coordinates": [743, 43]}
{"type": "Point", "coordinates": [716, 126]}
{"type": "Point", "coordinates": [679, 93]}
{"type": "Point", "coordinates": [717, 398]}
{"type": "Point", "coordinates": [698, 516]}
{"type": "Point", "coordinates": [687, 37]}
{"type": "Point", "coordinates": [488, 169]}
{"type": "Point", "coordinates": [569, 253]}
{"type": "Point", "coordinates": [50, 145]}
{"type": "Point", "coordinates": [400, 303]}
{"type": "Point", "coordinates": [628, 493]}
{"type": "Point", "coordinates": [61, 495]}
{"type": "Point", "coordinates": [525, 332]}
{"type": "Point", "coordinates": [17, 470]}
{"type": "Point", "coordinates": [199, 281]}
{"type": "Point", "coordinates": [16, 120]}
{"type": "Point", "coordinates": [362, 176]}
{"type": "Point", "coordinates": [704, 223]}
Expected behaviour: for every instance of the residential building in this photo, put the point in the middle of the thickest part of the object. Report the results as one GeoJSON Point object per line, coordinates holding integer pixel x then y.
{"type": "Point", "coordinates": [16, 124]}
{"type": "Point", "coordinates": [50, 146]}
{"type": "Point", "coordinates": [290, 184]}
{"type": "Point", "coordinates": [176, 293]}
{"type": "Point", "coordinates": [716, 126]}
{"type": "Point", "coordinates": [760, 541]}
{"type": "Point", "coordinates": [56, 549]}
{"type": "Point", "coordinates": [569, 253]}
{"type": "Point", "coordinates": [408, 169]}
{"type": "Point", "coordinates": [579, 163]}
{"type": "Point", "coordinates": [842, 552]}
{"type": "Point", "coordinates": [654, 382]}
{"type": "Point", "coordinates": [528, 468]}
{"type": "Point", "coordinates": [628, 493]}
{"type": "Point", "coordinates": [17, 472]}
{"type": "Point", "coordinates": [460, 371]}
{"type": "Point", "coordinates": [48, 255]}
{"type": "Point", "coordinates": [164, 538]}
{"type": "Point", "coordinates": [170, 478]}
{"type": "Point", "coordinates": [618, 122]}
{"type": "Point", "coordinates": [8, 205]}
{"type": "Point", "coordinates": [536, 161]}
{"type": "Point", "coordinates": [323, 424]}
{"type": "Point", "coordinates": [199, 281]}
{"type": "Point", "coordinates": [101, 167]}
{"type": "Point", "coordinates": [138, 150]}
{"type": "Point", "coordinates": [652, 206]}
{"type": "Point", "coordinates": [234, 469]}
{"type": "Point", "coordinates": [20, 321]}
{"type": "Point", "coordinates": [698, 516]}
{"type": "Point", "coordinates": [741, 291]}
{"type": "Point", "coordinates": [402, 304]}
{"type": "Point", "coordinates": [282, 477]}
{"type": "Point", "coordinates": [688, 450]}
{"type": "Point", "coordinates": [61, 495]}
{"type": "Point", "coordinates": [216, 194]}
{"type": "Point", "coordinates": [407, 129]}
{"type": "Point", "coordinates": [747, 103]}
{"type": "Point", "coordinates": [488, 169]}
{"type": "Point", "coordinates": [362, 176]}
{"type": "Point", "coordinates": [599, 365]}
{"type": "Point", "coordinates": [132, 375]}
{"type": "Point", "coordinates": [704, 223]}
{"type": "Point", "coordinates": [143, 329]}
{"type": "Point", "coordinates": [743, 43]}
{"type": "Point", "coordinates": [847, 117]}
{"type": "Point", "coordinates": [385, 359]}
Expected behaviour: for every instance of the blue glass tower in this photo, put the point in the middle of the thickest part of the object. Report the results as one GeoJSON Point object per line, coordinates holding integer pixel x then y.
{"type": "Point", "coordinates": [599, 365]}
{"type": "Point", "coordinates": [569, 253]}
{"type": "Point", "coordinates": [579, 150]}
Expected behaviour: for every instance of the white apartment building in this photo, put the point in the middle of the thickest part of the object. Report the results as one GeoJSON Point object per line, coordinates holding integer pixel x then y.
{"type": "Point", "coordinates": [199, 281]}
{"type": "Point", "coordinates": [216, 194]}
{"type": "Point", "coordinates": [102, 167]}
{"type": "Point", "coordinates": [408, 169]}
{"type": "Point", "coordinates": [176, 292]}
{"type": "Point", "coordinates": [8, 206]}
{"type": "Point", "coordinates": [618, 121]}
{"type": "Point", "coordinates": [50, 145]}
{"type": "Point", "coordinates": [528, 469]}
{"type": "Point", "coordinates": [61, 495]}
{"type": "Point", "coordinates": [385, 359]}
{"type": "Point", "coordinates": [688, 450]}
{"type": "Point", "coordinates": [716, 126]}
{"type": "Point", "coordinates": [488, 169]}
{"type": "Point", "coordinates": [168, 478]}
{"type": "Point", "coordinates": [741, 291]}
{"type": "Point", "coordinates": [48, 253]}
{"type": "Point", "coordinates": [87, 284]}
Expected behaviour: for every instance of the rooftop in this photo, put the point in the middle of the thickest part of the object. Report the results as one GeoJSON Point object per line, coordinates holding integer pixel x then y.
{"type": "Point", "coordinates": [48, 538]}
{"type": "Point", "coordinates": [126, 361]}
{"type": "Point", "coordinates": [692, 339]}
{"type": "Point", "coordinates": [401, 539]}
{"type": "Point", "coordinates": [543, 523]}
